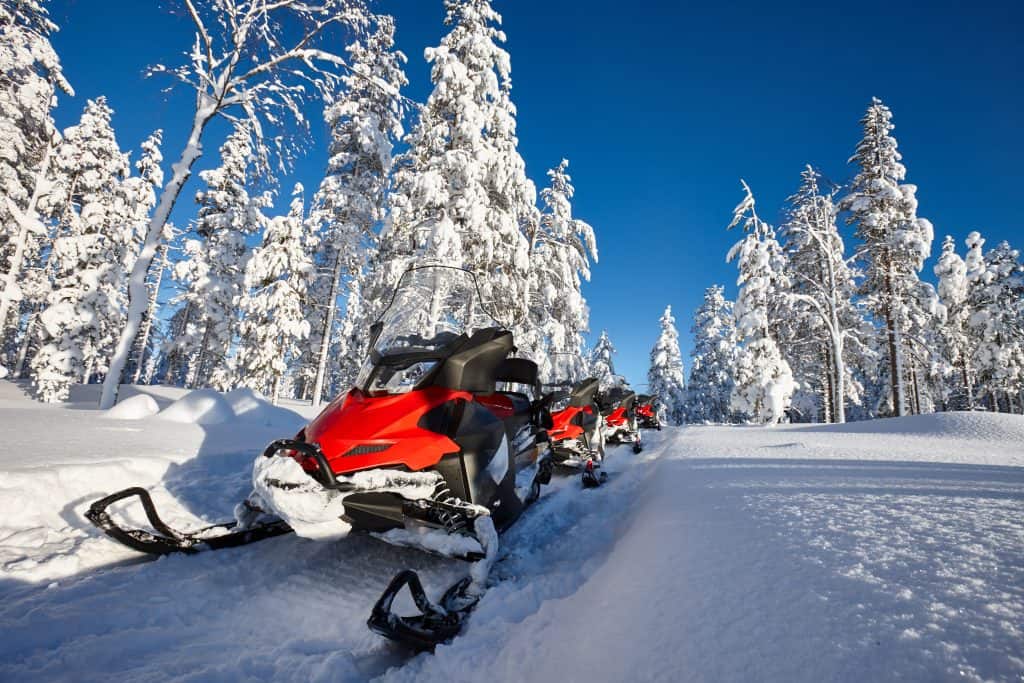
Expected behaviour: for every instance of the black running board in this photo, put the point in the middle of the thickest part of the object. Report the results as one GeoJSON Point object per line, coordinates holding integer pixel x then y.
{"type": "Point", "coordinates": [169, 541]}
{"type": "Point", "coordinates": [434, 625]}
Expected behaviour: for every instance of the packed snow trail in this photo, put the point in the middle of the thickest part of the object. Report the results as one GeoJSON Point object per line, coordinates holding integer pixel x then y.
{"type": "Point", "coordinates": [882, 550]}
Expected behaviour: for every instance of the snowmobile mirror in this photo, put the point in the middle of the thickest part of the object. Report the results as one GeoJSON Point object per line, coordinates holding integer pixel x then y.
{"type": "Point", "coordinates": [375, 330]}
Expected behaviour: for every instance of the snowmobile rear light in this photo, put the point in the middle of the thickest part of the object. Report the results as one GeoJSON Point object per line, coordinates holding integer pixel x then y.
{"type": "Point", "coordinates": [367, 448]}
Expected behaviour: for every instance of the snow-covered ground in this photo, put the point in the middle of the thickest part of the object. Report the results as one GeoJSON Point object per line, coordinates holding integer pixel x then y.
{"type": "Point", "coordinates": [873, 551]}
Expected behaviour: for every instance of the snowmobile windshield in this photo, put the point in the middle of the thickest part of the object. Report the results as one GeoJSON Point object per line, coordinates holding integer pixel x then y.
{"type": "Point", "coordinates": [431, 308]}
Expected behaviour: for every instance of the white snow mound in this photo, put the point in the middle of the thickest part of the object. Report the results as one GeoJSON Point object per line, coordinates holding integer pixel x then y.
{"type": "Point", "coordinates": [981, 426]}
{"type": "Point", "coordinates": [245, 400]}
{"type": "Point", "coordinates": [134, 408]}
{"type": "Point", "coordinates": [201, 407]}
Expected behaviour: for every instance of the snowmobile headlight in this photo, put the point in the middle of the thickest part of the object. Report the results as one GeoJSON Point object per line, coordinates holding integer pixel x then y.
{"type": "Point", "coordinates": [390, 379]}
{"type": "Point", "coordinates": [560, 404]}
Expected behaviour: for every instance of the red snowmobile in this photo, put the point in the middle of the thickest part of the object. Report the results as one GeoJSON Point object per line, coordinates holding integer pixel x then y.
{"type": "Point", "coordinates": [618, 407]}
{"type": "Point", "coordinates": [425, 450]}
{"type": "Point", "coordinates": [647, 412]}
{"type": "Point", "coordinates": [577, 438]}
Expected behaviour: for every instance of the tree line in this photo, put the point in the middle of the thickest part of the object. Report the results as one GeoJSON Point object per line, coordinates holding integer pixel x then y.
{"type": "Point", "coordinates": [278, 303]}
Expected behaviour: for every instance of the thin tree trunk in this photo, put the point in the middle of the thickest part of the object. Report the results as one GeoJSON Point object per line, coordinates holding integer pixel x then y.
{"type": "Point", "coordinates": [968, 388]}
{"type": "Point", "coordinates": [137, 290]}
{"type": "Point", "coordinates": [150, 314]}
{"type": "Point", "coordinates": [325, 338]}
{"type": "Point", "coordinates": [828, 390]}
{"type": "Point", "coordinates": [195, 368]}
{"type": "Point", "coordinates": [25, 219]}
{"type": "Point", "coordinates": [895, 338]}
{"type": "Point", "coordinates": [26, 341]}
{"type": "Point", "coordinates": [174, 359]}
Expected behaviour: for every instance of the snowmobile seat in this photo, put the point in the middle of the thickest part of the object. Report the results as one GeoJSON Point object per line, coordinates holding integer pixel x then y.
{"type": "Point", "coordinates": [473, 365]}
{"type": "Point", "coordinates": [614, 398]}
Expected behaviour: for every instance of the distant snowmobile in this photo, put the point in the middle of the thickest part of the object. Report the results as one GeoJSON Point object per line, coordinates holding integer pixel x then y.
{"type": "Point", "coordinates": [576, 434]}
{"type": "Point", "coordinates": [618, 408]}
{"type": "Point", "coordinates": [647, 412]}
{"type": "Point", "coordinates": [424, 451]}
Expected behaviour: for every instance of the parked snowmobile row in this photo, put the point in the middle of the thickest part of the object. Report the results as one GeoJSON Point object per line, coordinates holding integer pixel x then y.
{"type": "Point", "coordinates": [647, 412]}
{"type": "Point", "coordinates": [442, 443]}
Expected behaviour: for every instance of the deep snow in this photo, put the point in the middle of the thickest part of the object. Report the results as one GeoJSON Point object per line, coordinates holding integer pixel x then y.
{"type": "Point", "coordinates": [872, 551]}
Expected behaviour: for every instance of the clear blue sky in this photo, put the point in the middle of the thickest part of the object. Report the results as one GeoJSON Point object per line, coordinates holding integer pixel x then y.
{"type": "Point", "coordinates": [661, 108]}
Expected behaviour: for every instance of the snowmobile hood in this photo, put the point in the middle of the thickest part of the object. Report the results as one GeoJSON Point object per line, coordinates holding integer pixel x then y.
{"type": "Point", "coordinates": [357, 432]}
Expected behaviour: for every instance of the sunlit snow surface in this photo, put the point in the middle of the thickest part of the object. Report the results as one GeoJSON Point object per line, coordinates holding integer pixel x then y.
{"type": "Point", "coordinates": [872, 551]}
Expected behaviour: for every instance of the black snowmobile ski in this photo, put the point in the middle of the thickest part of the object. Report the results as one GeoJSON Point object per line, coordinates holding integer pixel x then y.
{"type": "Point", "coordinates": [436, 623]}
{"type": "Point", "coordinates": [168, 540]}
{"type": "Point", "coordinates": [591, 477]}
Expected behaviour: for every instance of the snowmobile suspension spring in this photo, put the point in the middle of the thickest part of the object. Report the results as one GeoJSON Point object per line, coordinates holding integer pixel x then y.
{"type": "Point", "coordinates": [449, 513]}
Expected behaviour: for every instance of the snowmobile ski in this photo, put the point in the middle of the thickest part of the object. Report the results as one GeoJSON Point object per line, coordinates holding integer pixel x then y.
{"type": "Point", "coordinates": [436, 623]}
{"type": "Point", "coordinates": [168, 540]}
{"type": "Point", "coordinates": [591, 477]}
{"type": "Point", "coordinates": [439, 622]}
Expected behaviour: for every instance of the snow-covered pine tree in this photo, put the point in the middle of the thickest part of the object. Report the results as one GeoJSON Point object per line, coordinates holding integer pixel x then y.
{"type": "Point", "coordinates": [895, 243]}
{"type": "Point", "coordinates": [560, 251]}
{"type": "Point", "coordinates": [602, 367]}
{"type": "Point", "coordinates": [30, 76]}
{"type": "Point", "coordinates": [85, 310]}
{"type": "Point", "coordinates": [951, 272]}
{"type": "Point", "coordinates": [365, 120]}
{"type": "Point", "coordinates": [241, 68]}
{"type": "Point", "coordinates": [215, 265]}
{"type": "Point", "coordinates": [174, 360]}
{"type": "Point", "coordinates": [825, 332]}
{"type": "Point", "coordinates": [764, 382]}
{"type": "Point", "coordinates": [714, 359]}
{"type": "Point", "coordinates": [665, 378]}
{"type": "Point", "coordinates": [273, 317]}
{"type": "Point", "coordinates": [461, 192]}
{"type": "Point", "coordinates": [994, 299]}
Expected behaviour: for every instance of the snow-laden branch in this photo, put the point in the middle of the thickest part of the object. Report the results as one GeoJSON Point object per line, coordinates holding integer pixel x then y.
{"type": "Point", "coordinates": [248, 34]}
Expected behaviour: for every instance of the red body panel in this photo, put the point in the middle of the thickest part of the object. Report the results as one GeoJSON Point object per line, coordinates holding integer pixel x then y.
{"type": "Point", "coordinates": [563, 427]}
{"type": "Point", "coordinates": [499, 404]}
{"type": "Point", "coordinates": [645, 410]}
{"type": "Point", "coordinates": [616, 418]}
{"type": "Point", "coordinates": [360, 420]}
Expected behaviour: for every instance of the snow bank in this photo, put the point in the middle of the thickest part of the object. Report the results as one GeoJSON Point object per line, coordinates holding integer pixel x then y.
{"type": "Point", "coordinates": [201, 407]}
{"type": "Point", "coordinates": [134, 408]}
{"type": "Point", "coordinates": [978, 426]}
{"type": "Point", "coordinates": [60, 458]}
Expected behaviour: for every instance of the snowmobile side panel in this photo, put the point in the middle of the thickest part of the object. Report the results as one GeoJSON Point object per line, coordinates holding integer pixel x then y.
{"type": "Point", "coordinates": [367, 432]}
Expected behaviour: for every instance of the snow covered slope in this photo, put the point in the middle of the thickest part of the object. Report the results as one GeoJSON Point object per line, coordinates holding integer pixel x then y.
{"type": "Point", "coordinates": [871, 551]}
